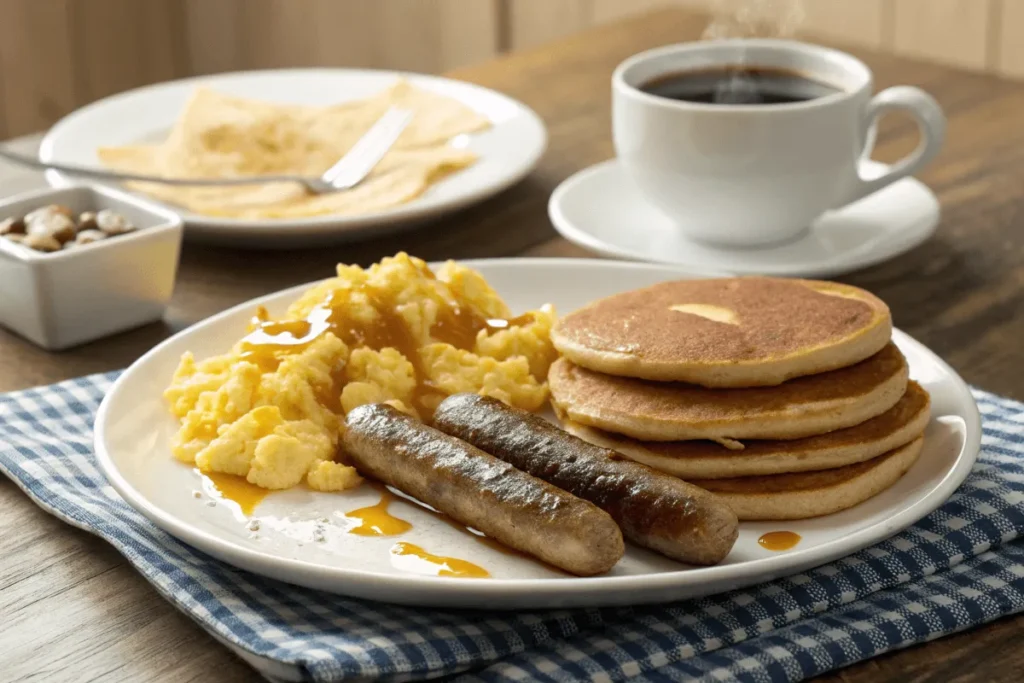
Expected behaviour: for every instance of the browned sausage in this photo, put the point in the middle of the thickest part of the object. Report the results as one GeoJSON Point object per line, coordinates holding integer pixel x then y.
{"type": "Point", "coordinates": [481, 491]}
{"type": "Point", "coordinates": [655, 510]}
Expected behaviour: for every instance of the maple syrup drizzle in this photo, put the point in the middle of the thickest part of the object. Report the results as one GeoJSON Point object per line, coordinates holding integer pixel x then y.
{"type": "Point", "coordinates": [268, 341]}
{"type": "Point", "coordinates": [477, 536]}
{"type": "Point", "coordinates": [234, 488]}
{"type": "Point", "coordinates": [375, 520]}
{"type": "Point", "coordinates": [779, 540]}
{"type": "Point", "coordinates": [410, 557]}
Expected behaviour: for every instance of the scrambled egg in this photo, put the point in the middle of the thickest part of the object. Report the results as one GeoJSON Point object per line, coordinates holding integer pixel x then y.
{"type": "Point", "coordinates": [272, 408]}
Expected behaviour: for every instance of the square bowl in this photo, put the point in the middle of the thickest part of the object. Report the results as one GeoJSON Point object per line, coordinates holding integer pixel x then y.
{"type": "Point", "coordinates": [70, 297]}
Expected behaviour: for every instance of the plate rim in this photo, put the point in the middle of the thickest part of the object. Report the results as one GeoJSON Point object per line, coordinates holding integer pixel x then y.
{"type": "Point", "coordinates": [583, 238]}
{"type": "Point", "coordinates": [313, 224]}
{"type": "Point", "coordinates": [439, 589]}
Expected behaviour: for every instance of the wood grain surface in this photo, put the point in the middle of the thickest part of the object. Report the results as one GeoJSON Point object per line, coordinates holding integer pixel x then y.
{"type": "Point", "coordinates": [56, 55]}
{"type": "Point", "coordinates": [73, 610]}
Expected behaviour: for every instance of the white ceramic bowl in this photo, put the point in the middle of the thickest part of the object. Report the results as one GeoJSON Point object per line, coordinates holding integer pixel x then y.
{"type": "Point", "coordinates": [61, 299]}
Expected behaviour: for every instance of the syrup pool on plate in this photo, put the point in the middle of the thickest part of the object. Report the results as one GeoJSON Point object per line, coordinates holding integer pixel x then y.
{"type": "Point", "coordinates": [412, 558]}
{"type": "Point", "coordinates": [375, 520]}
{"type": "Point", "coordinates": [778, 541]}
{"type": "Point", "coordinates": [234, 488]}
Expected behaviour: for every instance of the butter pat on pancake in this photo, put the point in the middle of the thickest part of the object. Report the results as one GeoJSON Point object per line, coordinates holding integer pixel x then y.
{"type": "Point", "coordinates": [731, 332]}
{"type": "Point", "coordinates": [813, 494]}
{"type": "Point", "coordinates": [673, 411]}
{"type": "Point", "coordinates": [896, 427]}
{"type": "Point", "coordinates": [222, 136]}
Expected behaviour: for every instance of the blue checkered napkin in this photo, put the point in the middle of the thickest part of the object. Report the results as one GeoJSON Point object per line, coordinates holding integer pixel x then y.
{"type": "Point", "coordinates": [960, 567]}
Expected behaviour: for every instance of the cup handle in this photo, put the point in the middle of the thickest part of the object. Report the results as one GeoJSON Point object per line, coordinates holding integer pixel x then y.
{"type": "Point", "coordinates": [930, 119]}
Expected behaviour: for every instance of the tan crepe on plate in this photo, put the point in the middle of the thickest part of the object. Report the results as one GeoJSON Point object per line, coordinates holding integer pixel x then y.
{"type": "Point", "coordinates": [222, 136]}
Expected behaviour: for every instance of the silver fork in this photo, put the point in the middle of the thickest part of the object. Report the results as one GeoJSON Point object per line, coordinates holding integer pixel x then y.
{"type": "Point", "coordinates": [348, 172]}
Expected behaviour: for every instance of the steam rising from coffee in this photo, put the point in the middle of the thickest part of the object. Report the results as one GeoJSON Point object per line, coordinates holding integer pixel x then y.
{"type": "Point", "coordinates": [754, 18]}
{"type": "Point", "coordinates": [749, 19]}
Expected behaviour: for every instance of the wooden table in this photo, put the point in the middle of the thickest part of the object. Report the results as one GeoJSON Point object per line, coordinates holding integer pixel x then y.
{"type": "Point", "coordinates": [74, 610]}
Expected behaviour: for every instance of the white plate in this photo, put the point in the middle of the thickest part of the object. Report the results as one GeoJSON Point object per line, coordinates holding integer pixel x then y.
{"type": "Point", "coordinates": [508, 150]}
{"type": "Point", "coordinates": [133, 431]}
{"type": "Point", "coordinates": [600, 208]}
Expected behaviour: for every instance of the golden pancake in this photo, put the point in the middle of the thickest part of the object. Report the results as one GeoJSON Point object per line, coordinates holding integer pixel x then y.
{"type": "Point", "coordinates": [813, 494]}
{"type": "Point", "coordinates": [734, 332]}
{"type": "Point", "coordinates": [664, 411]}
{"type": "Point", "coordinates": [708, 460]}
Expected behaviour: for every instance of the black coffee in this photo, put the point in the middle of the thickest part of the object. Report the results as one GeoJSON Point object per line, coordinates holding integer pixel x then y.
{"type": "Point", "coordinates": [738, 85]}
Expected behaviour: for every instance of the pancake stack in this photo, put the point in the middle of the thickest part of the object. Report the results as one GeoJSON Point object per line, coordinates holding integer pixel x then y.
{"type": "Point", "coordinates": [785, 397]}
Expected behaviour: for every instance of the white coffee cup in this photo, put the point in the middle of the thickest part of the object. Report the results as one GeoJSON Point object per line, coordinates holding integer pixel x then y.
{"type": "Point", "coordinates": [754, 174]}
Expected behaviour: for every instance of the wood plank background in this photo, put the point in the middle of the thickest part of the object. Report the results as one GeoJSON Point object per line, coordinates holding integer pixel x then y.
{"type": "Point", "coordinates": [56, 55]}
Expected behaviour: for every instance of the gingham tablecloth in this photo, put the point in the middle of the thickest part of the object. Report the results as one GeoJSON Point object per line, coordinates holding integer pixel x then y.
{"type": "Point", "coordinates": [960, 567]}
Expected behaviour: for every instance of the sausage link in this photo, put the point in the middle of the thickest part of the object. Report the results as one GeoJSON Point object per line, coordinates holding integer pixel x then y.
{"type": "Point", "coordinates": [481, 491]}
{"type": "Point", "coordinates": [655, 510]}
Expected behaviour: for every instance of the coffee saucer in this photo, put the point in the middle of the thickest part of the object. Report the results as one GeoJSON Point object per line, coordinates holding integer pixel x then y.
{"type": "Point", "coordinates": [600, 208]}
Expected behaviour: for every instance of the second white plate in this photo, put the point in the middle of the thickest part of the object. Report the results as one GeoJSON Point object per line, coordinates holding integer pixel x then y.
{"type": "Point", "coordinates": [508, 150]}
{"type": "Point", "coordinates": [134, 429]}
